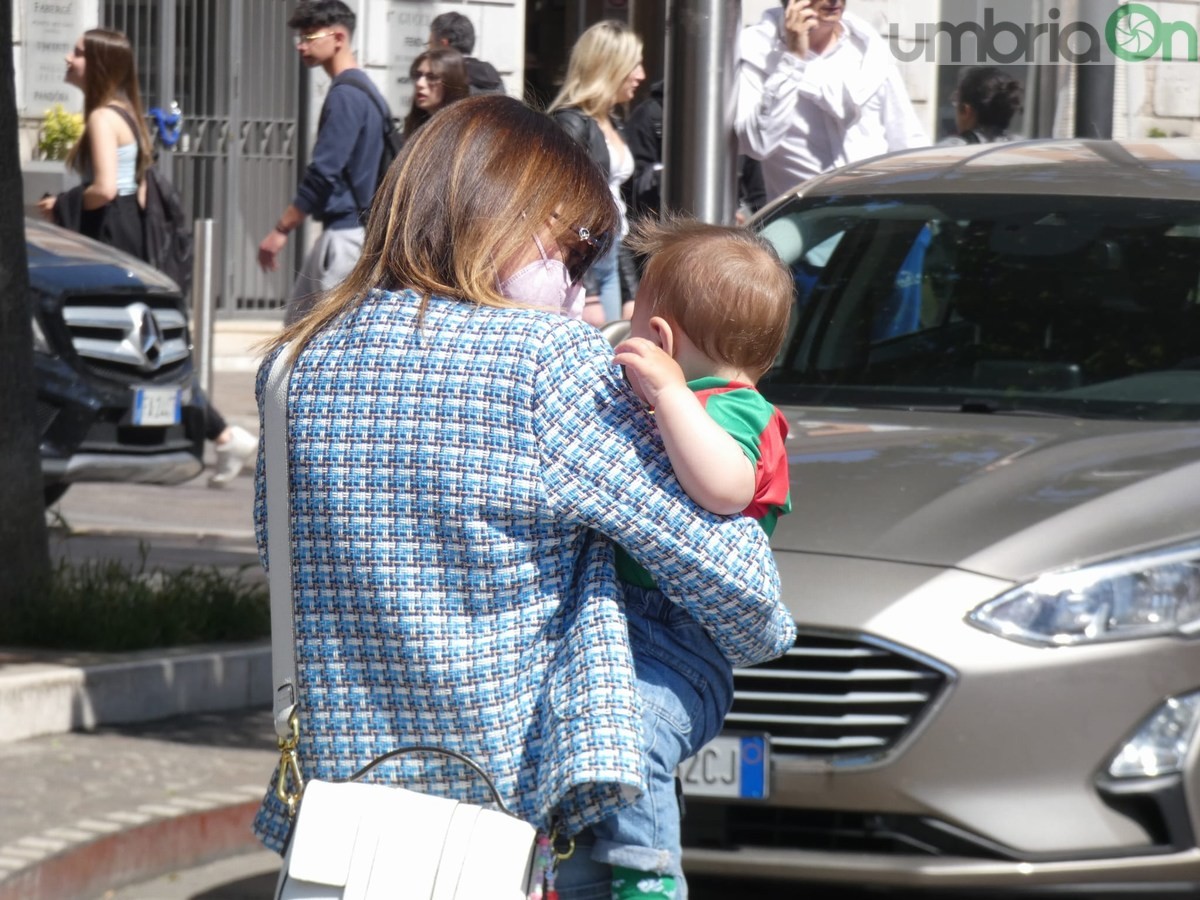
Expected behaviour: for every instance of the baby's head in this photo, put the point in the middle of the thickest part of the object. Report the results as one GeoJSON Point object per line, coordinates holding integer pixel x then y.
{"type": "Point", "coordinates": [723, 288]}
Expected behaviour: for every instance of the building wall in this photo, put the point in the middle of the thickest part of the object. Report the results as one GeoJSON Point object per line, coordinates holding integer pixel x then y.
{"type": "Point", "coordinates": [43, 34]}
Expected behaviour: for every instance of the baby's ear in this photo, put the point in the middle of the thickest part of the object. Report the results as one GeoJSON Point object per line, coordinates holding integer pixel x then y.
{"type": "Point", "coordinates": [663, 335]}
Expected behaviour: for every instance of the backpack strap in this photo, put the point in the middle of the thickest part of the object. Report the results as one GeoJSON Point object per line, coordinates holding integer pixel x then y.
{"type": "Point", "coordinates": [368, 88]}
{"type": "Point", "coordinates": [349, 77]}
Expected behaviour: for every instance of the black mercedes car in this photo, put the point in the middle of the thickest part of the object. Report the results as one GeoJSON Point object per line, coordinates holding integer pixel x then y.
{"type": "Point", "coordinates": [116, 398]}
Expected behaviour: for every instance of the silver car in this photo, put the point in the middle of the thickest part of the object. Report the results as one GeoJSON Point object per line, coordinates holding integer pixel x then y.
{"type": "Point", "coordinates": [993, 386]}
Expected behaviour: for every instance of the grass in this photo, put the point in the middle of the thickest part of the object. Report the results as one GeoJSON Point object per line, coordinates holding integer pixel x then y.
{"type": "Point", "coordinates": [107, 605]}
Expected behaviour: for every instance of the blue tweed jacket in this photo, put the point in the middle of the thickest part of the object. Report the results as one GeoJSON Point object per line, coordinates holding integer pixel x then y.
{"type": "Point", "coordinates": [454, 486]}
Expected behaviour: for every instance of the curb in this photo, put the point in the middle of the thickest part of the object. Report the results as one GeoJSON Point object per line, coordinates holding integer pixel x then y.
{"type": "Point", "coordinates": [40, 698]}
{"type": "Point", "coordinates": [83, 861]}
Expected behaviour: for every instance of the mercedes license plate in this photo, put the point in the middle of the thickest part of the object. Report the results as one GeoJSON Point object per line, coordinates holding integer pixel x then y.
{"type": "Point", "coordinates": [729, 766]}
{"type": "Point", "coordinates": [156, 406]}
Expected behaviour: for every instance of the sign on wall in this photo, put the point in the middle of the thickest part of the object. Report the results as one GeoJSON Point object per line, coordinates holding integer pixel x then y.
{"type": "Point", "coordinates": [50, 29]}
{"type": "Point", "coordinates": [401, 39]}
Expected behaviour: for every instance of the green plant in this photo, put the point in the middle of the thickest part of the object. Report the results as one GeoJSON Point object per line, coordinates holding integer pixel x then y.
{"type": "Point", "coordinates": [1156, 133]}
{"type": "Point", "coordinates": [113, 606]}
{"type": "Point", "coordinates": [60, 131]}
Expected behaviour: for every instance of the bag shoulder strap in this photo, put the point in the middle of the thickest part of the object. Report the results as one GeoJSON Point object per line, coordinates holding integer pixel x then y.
{"type": "Point", "coordinates": [279, 542]}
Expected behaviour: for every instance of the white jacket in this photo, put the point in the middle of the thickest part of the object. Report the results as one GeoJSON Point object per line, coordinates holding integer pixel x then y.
{"type": "Point", "coordinates": [802, 117]}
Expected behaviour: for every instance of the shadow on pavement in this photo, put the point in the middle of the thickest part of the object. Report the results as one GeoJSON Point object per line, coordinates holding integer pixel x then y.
{"type": "Point", "coordinates": [251, 729]}
{"type": "Point", "coordinates": [260, 887]}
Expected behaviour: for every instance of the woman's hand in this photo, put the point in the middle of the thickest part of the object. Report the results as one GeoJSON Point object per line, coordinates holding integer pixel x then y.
{"type": "Point", "coordinates": [46, 207]}
{"type": "Point", "coordinates": [651, 371]}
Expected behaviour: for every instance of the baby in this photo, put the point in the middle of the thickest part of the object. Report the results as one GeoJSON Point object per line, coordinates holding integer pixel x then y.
{"type": "Point", "coordinates": [710, 317]}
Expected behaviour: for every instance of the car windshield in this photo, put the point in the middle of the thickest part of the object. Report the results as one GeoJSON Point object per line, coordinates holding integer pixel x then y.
{"type": "Point", "coordinates": [1075, 306]}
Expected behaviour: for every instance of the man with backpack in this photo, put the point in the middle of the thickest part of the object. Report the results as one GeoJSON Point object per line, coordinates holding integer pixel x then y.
{"type": "Point", "coordinates": [339, 184]}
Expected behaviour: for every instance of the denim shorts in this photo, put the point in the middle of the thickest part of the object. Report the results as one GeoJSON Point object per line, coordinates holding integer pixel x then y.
{"type": "Point", "coordinates": [686, 688]}
{"type": "Point", "coordinates": [580, 877]}
{"type": "Point", "coordinates": [608, 275]}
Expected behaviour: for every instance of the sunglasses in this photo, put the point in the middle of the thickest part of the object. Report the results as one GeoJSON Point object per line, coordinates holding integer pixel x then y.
{"type": "Point", "coordinates": [583, 249]}
{"type": "Point", "coordinates": [302, 39]}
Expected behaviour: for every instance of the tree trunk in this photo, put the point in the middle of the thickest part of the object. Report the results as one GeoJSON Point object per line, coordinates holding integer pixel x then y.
{"type": "Point", "coordinates": [24, 554]}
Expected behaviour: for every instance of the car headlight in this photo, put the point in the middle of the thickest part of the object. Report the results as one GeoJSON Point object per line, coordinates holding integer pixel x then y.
{"type": "Point", "coordinates": [40, 344]}
{"type": "Point", "coordinates": [1161, 743]}
{"type": "Point", "coordinates": [1148, 595]}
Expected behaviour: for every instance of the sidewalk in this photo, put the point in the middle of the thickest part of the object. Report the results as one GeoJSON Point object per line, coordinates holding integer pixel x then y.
{"type": "Point", "coordinates": [82, 813]}
{"type": "Point", "coordinates": [118, 768]}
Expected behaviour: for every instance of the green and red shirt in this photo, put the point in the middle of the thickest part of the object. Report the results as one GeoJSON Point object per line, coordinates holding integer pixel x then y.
{"type": "Point", "coordinates": [760, 430]}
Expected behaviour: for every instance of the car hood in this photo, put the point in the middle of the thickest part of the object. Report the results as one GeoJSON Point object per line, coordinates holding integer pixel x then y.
{"type": "Point", "coordinates": [61, 260]}
{"type": "Point", "coordinates": [1002, 495]}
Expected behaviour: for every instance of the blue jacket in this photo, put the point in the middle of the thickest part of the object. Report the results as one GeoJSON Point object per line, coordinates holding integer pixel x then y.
{"type": "Point", "coordinates": [454, 485]}
{"type": "Point", "coordinates": [347, 151]}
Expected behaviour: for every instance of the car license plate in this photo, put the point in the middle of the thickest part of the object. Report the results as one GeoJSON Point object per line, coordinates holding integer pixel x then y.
{"type": "Point", "coordinates": [729, 766]}
{"type": "Point", "coordinates": [156, 406]}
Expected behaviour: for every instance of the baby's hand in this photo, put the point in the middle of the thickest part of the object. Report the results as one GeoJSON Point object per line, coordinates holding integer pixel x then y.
{"type": "Point", "coordinates": [651, 371]}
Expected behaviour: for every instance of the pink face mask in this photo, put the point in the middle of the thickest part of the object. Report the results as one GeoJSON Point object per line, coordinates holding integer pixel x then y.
{"type": "Point", "coordinates": [546, 284]}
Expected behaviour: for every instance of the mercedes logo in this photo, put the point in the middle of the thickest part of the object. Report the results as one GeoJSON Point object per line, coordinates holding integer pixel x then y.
{"type": "Point", "coordinates": [145, 336]}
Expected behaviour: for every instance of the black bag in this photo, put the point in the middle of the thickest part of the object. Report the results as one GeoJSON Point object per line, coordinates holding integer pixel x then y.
{"type": "Point", "coordinates": [168, 229]}
{"type": "Point", "coordinates": [165, 224]}
{"type": "Point", "coordinates": [393, 134]}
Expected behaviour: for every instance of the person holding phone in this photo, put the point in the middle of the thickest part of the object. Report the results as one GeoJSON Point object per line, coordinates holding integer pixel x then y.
{"type": "Point", "coordinates": [817, 89]}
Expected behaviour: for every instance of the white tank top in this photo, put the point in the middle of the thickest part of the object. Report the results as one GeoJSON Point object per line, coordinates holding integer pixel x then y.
{"type": "Point", "coordinates": [620, 168]}
{"type": "Point", "coordinates": [127, 169]}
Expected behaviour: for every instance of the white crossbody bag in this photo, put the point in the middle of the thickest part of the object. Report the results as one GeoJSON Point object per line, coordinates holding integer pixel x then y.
{"type": "Point", "coordinates": [351, 839]}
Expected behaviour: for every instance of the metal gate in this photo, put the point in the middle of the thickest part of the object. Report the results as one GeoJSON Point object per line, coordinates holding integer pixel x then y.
{"type": "Point", "coordinates": [232, 69]}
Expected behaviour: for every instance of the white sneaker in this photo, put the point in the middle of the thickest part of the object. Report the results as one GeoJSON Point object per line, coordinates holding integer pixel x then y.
{"type": "Point", "coordinates": [232, 456]}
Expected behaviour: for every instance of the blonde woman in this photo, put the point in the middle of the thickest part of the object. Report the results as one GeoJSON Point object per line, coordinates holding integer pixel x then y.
{"type": "Point", "coordinates": [603, 73]}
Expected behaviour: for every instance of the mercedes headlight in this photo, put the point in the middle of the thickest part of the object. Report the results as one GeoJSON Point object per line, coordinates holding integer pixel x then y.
{"type": "Point", "coordinates": [1148, 595]}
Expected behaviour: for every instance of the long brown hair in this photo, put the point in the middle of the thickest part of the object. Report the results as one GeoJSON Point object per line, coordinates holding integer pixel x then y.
{"type": "Point", "coordinates": [471, 187]}
{"type": "Point", "coordinates": [109, 75]}
{"type": "Point", "coordinates": [448, 64]}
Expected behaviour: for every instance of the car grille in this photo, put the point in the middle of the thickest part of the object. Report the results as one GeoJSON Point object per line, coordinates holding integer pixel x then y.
{"type": "Point", "coordinates": [843, 700]}
{"type": "Point", "coordinates": [130, 338]}
{"type": "Point", "coordinates": [711, 825]}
